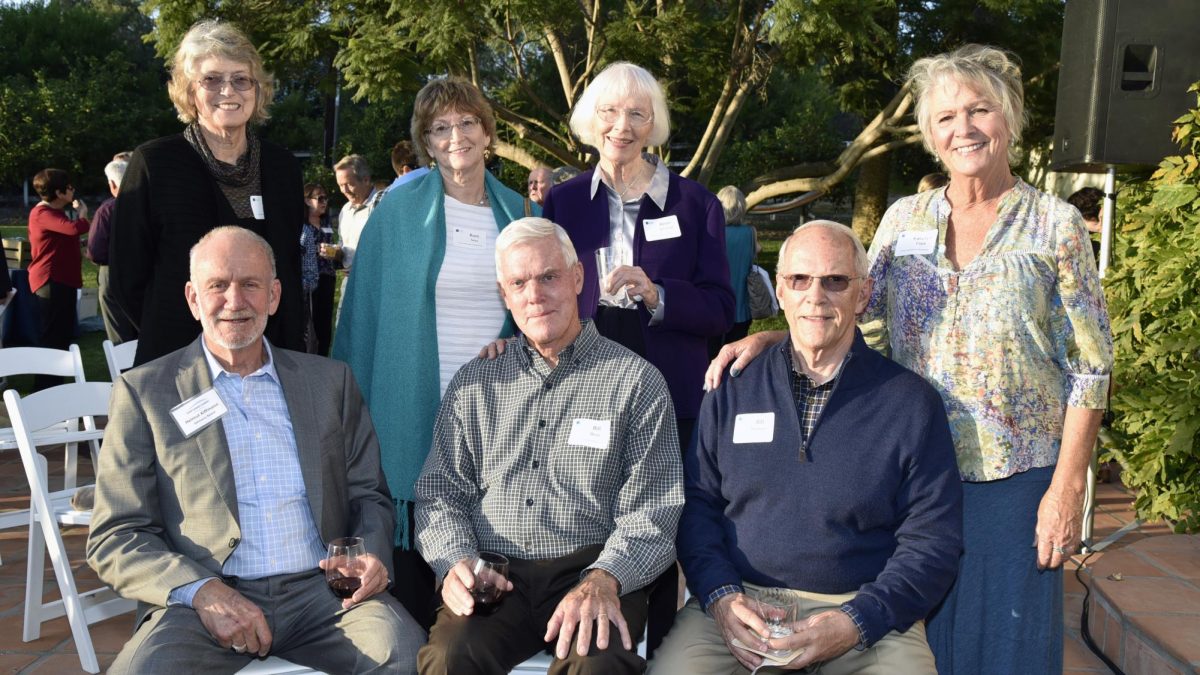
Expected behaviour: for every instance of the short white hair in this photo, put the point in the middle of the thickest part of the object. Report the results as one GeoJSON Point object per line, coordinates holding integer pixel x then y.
{"type": "Point", "coordinates": [619, 80]}
{"type": "Point", "coordinates": [860, 252]}
{"type": "Point", "coordinates": [529, 229]}
{"type": "Point", "coordinates": [250, 236]}
{"type": "Point", "coordinates": [114, 171]}
{"type": "Point", "coordinates": [733, 203]}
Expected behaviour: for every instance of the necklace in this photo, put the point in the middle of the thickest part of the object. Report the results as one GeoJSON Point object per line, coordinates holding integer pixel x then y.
{"type": "Point", "coordinates": [630, 184]}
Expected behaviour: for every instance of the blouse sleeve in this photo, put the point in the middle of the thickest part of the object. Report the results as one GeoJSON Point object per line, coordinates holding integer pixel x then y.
{"type": "Point", "coordinates": [1080, 327]}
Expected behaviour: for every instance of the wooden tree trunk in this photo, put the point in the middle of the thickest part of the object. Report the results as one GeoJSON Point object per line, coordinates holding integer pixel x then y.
{"type": "Point", "coordinates": [870, 195]}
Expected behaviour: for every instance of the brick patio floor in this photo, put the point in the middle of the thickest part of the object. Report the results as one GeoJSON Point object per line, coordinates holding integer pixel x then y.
{"type": "Point", "coordinates": [55, 651]}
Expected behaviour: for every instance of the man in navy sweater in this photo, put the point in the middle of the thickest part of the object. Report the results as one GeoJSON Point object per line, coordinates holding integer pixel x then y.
{"type": "Point", "coordinates": [826, 470]}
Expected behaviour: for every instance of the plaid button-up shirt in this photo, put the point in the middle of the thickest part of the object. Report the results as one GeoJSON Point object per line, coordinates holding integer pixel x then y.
{"type": "Point", "coordinates": [535, 463]}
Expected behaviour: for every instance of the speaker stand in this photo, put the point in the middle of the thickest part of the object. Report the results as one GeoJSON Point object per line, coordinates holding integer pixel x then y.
{"type": "Point", "coordinates": [1106, 218]}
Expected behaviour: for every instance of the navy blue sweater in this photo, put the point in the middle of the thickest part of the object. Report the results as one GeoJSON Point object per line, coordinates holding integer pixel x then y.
{"type": "Point", "coordinates": [872, 505]}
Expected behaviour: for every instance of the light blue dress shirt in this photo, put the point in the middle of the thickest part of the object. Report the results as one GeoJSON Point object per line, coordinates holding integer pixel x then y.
{"type": "Point", "coordinates": [279, 532]}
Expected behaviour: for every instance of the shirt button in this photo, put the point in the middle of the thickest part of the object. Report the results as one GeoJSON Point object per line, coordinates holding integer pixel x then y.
{"type": "Point", "coordinates": [528, 502]}
{"type": "Point", "coordinates": [233, 541]}
{"type": "Point", "coordinates": [536, 464]}
{"type": "Point", "coordinates": [541, 423]}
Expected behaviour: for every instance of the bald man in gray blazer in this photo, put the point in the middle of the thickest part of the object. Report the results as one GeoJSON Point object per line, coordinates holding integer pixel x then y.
{"type": "Point", "coordinates": [226, 467]}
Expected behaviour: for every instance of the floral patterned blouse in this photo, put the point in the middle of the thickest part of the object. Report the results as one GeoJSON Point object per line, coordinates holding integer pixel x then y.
{"type": "Point", "coordinates": [1011, 340]}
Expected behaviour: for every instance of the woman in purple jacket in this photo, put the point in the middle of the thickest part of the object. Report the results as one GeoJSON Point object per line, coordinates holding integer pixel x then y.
{"type": "Point", "coordinates": [662, 236]}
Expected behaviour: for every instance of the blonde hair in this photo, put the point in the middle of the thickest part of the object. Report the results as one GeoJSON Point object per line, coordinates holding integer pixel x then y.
{"type": "Point", "coordinates": [621, 79]}
{"type": "Point", "coordinates": [991, 72]}
{"type": "Point", "coordinates": [212, 38]}
{"type": "Point", "coordinates": [442, 96]}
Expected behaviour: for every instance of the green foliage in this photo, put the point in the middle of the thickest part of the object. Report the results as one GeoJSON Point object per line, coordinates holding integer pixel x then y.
{"type": "Point", "coordinates": [1156, 329]}
{"type": "Point", "coordinates": [76, 86]}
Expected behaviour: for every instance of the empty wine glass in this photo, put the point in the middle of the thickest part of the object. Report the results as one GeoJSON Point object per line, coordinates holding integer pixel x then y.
{"type": "Point", "coordinates": [344, 566]}
{"type": "Point", "coordinates": [609, 258]}
{"type": "Point", "coordinates": [491, 574]}
{"type": "Point", "coordinates": [778, 609]}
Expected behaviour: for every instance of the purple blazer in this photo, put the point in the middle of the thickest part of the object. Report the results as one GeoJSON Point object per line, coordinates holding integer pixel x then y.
{"type": "Point", "coordinates": [692, 269]}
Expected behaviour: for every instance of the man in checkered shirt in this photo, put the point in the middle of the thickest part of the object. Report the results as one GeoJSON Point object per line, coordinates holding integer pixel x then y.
{"type": "Point", "coordinates": [562, 455]}
{"type": "Point", "coordinates": [823, 474]}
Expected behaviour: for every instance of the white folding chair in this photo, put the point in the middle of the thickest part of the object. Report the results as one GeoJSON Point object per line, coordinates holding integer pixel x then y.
{"type": "Point", "coordinates": [43, 412]}
{"type": "Point", "coordinates": [273, 665]}
{"type": "Point", "coordinates": [40, 361]}
{"type": "Point", "coordinates": [119, 357]}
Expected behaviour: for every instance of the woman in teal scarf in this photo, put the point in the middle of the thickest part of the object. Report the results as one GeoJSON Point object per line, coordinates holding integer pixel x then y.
{"type": "Point", "coordinates": [422, 297]}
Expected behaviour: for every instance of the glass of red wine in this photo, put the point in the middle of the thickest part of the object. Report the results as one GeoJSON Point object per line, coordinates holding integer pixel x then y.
{"type": "Point", "coordinates": [491, 573]}
{"type": "Point", "coordinates": [344, 566]}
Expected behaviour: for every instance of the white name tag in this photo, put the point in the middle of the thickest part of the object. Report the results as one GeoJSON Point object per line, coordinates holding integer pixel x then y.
{"type": "Point", "coordinates": [256, 206]}
{"type": "Point", "coordinates": [327, 230]}
{"type": "Point", "coordinates": [754, 428]}
{"type": "Point", "coordinates": [916, 243]}
{"type": "Point", "coordinates": [467, 238]}
{"type": "Point", "coordinates": [590, 433]}
{"type": "Point", "coordinates": [198, 412]}
{"type": "Point", "coordinates": [661, 228]}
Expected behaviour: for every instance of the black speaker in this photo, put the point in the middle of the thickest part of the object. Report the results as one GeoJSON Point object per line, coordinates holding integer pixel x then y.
{"type": "Point", "coordinates": [1126, 67]}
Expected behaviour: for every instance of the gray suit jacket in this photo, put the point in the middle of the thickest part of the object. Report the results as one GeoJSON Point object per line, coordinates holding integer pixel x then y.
{"type": "Point", "coordinates": [166, 507]}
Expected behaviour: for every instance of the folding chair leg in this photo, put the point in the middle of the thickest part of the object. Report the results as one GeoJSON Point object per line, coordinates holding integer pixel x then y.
{"type": "Point", "coordinates": [70, 598]}
{"type": "Point", "coordinates": [35, 572]}
{"type": "Point", "coordinates": [70, 466]}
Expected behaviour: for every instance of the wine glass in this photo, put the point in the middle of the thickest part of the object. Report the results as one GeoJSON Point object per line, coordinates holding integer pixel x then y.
{"type": "Point", "coordinates": [778, 609]}
{"type": "Point", "coordinates": [491, 572]}
{"type": "Point", "coordinates": [344, 566]}
{"type": "Point", "coordinates": [609, 258]}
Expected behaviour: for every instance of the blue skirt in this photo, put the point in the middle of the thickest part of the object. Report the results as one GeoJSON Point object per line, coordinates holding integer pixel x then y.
{"type": "Point", "coordinates": [1002, 615]}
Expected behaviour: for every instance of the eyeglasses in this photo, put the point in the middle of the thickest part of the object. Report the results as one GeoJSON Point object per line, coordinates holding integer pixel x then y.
{"type": "Point", "coordinates": [833, 283]}
{"type": "Point", "coordinates": [215, 82]}
{"type": "Point", "coordinates": [466, 126]}
{"type": "Point", "coordinates": [636, 118]}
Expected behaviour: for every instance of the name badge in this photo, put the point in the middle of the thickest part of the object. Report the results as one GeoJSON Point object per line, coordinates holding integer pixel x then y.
{"type": "Point", "coordinates": [327, 230]}
{"type": "Point", "coordinates": [590, 433]}
{"type": "Point", "coordinates": [661, 228]}
{"type": "Point", "coordinates": [467, 238]}
{"type": "Point", "coordinates": [754, 428]}
{"type": "Point", "coordinates": [256, 206]}
{"type": "Point", "coordinates": [916, 243]}
{"type": "Point", "coordinates": [198, 412]}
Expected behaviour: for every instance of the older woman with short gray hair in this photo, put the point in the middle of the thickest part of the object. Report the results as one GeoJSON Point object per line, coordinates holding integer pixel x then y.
{"type": "Point", "coordinates": [217, 172]}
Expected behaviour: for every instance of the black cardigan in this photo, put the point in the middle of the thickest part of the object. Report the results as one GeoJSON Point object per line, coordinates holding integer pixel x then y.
{"type": "Point", "coordinates": [168, 200]}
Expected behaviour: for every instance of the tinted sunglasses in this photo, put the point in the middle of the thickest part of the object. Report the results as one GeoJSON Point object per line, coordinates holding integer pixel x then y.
{"type": "Point", "coordinates": [833, 283]}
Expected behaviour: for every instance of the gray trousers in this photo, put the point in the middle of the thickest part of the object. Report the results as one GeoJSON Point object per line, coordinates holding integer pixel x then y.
{"type": "Point", "coordinates": [308, 627]}
{"type": "Point", "coordinates": [695, 646]}
{"type": "Point", "coordinates": [117, 326]}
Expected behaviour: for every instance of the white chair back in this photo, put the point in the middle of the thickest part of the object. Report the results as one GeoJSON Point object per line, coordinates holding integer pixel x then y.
{"type": "Point", "coordinates": [41, 361]}
{"type": "Point", "coordinates": [38, 421]}
{"type": "Point", "coordinates": [119, 357]}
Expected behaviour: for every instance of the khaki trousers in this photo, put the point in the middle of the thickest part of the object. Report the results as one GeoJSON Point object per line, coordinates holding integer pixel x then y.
{"type": "Point", "coordinates": [695, 646]}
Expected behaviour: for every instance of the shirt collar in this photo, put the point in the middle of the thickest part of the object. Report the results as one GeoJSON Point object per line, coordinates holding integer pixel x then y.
{"type": "Point", "coordinates": [366, 202]}
{"type": "Point", "coordinates": [786, 348]}
{"type": "Point", "coordinates": [216, 369]}
{"type": "Point", "coordinates": [571, 353]}
{"type": "Point", "coordinates": [659, 182]}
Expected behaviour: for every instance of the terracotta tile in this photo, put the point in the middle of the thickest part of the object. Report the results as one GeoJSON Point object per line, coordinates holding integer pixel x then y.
{"type": "Point", "coordinates": [1128, 563]}
{"type": "Point", "coordinates": [108, 636]}
{"type": "Point", "coordinates": [53, 634]}
{"type": "Point", "coordinates": [13, 663]}
{"type": "Point", "coordinates": [1179, 636]}
{"type": "Point", "coordinates": [61, 664]}
{"type": "Point", "coordinates": [12, 597]}
{"type": "Point", "coordinates": [1144, 659]}
{"type": "Point", "coordinates": [1078, 658]}
{"type": "Point", "coordinates": [1149, 594]}
{"type": "Point", "coordinates": [1183, 564]}
{"type": "Point", "coordinates": [1072, 610]}
{"type": "Point", "coordinates": [1177, 543]}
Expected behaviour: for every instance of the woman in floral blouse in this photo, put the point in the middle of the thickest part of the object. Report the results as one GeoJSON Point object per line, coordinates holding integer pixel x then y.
{"type": "Point", "coordinates": [988, 288]}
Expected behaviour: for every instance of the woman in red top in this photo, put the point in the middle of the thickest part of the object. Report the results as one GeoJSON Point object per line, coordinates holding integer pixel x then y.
{"type": "Point", "coordinates": [55, 273]}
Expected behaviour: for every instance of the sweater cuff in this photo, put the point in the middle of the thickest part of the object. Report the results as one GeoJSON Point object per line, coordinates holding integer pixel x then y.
{"type": "Point", "coordinates": [868, 616]}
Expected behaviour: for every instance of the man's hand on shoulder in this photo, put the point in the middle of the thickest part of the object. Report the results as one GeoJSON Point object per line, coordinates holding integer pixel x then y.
{"type": "Point", "coordinates": [374, 580]}
{"type": "Point", "coordinates": [736, 617]}
{"type": "Point", "coordinates": [596, 600]}
{"type": "Point", "coordinates": [823, 636]}
{"type": "Point", "coordinates": [235, 622]}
